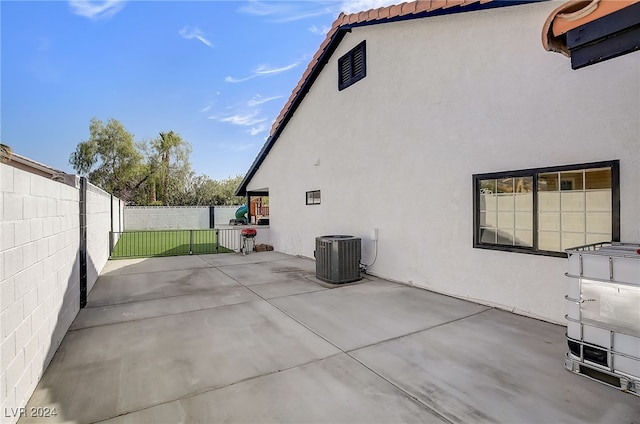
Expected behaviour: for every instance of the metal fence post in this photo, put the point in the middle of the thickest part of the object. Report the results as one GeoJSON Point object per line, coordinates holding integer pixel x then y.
{"type": "Point", "coordinates": [191, 242]}
{"type": "Point", "coordinates": [83, 242]}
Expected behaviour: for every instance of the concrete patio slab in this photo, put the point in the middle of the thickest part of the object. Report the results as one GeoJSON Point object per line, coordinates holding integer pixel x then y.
{"type": "Point", "coordinates": [125, 288]}
{"type": "Point", "coordinates": [286, 288]}
{"type": "Point", "coordinates": [250, 258]}
{"type": "Point", "coordinates": [362, 314]}
{"type": "Point", "coordinates": [106, 371]}
{"type": "Point", "coordinates": [113, 314]}
{"type": "Point", "coordinates": [497, 367]}
{"type": "Point", "coordinates": [199, 345]}
{"type": "Point", "coordinates": [143, 265]}
{"type": "Point", "coordinates": [298, 263]}
{"type": "Point", "coordinates": [333, 390]}
{"type": "Point", "coordinates": [265, 272]}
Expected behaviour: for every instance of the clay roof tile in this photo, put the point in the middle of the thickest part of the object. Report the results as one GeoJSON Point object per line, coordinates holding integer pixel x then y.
{"type": "Point", "coordinates": [451, 3]}
{"type": "Point", "coordinates": [395, 10]}
{"type": "Point", "coordinates": [408, 8]}
{"type": "Point", "coordinates": [384, 12]}
{"type": "Point", "coordinates": [423, 6]}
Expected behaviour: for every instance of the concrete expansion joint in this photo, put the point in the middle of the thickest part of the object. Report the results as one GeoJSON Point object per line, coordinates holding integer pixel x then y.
{"type": "Point", "coordinates": [157, 272]}
{"type": "Point", "coordinates": [285, 312]}
{"type": "Point", "coordinates": [420, 330]}
{"type": "Point", "coordinates": [161, 297]}
{"type": "Point", "coordinates": [402, 390]}
{"type": "Point", "coordinates": [163, 315]}
{"type": "Point", "coordinates": [214, 388]}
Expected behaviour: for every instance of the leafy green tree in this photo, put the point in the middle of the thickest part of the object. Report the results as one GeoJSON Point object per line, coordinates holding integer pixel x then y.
{"type": "Point", "coordinates": [5, 153]}
{"type": "Point", "coordinates": [227, 191]}
{"type": "Point", "coordinates": [111, 159]}
{"type": "Point", "coordinates": [203, 191]}
{"type": "Point", "coordinates": [156, 172]}
{"type": "Point", "coordinates": [172, 166]}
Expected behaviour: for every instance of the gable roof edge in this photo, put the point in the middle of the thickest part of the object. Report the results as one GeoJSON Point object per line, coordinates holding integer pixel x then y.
{"type": "Point", "coordinates": [294, 103]}
{"type": "Point", "coordinates": [342, 25]}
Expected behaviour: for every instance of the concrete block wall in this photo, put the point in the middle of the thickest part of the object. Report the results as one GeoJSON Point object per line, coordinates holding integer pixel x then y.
{"type": "Point", "coordinates": [98, 227]}
{"type": "Point", "coordinates": [117, 226]}
{"type": "Point", "coordinates": [223, 214]}
{"type": "Point", "coordinates": [40, 273]}
{"type": "Point", "coordinates": [166, 217]}
{"type": "Point", "coordinates": [39, 278]}
{"type": "Point", "coordinates": [175, 217]}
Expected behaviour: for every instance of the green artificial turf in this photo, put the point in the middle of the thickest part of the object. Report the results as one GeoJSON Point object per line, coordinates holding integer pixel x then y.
{"type": "Point", "coordinates": [166, 243]}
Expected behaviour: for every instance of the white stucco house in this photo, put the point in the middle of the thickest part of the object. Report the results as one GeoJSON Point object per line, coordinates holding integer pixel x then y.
{"type": "Point", "coordinates": [475, 155]}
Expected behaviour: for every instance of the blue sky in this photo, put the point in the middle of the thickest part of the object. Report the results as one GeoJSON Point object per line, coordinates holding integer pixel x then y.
{"type": "Point", "coordinates": [216, 72]}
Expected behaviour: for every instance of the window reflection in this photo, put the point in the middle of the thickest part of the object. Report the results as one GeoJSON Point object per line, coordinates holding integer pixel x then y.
{"type": "Point", "coordinates": [574, 207]}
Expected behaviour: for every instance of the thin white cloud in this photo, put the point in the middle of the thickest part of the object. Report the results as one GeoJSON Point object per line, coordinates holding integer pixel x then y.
{"type": "Point", "coordinates": [232, 79]}
{"type": "Point", "coordinates": [304, 15]}
{"type": "Point", "coordinates": [95, 10]}
{"type": "Point", "coordinates": [263, 71]}
{"type": "Point", "coordinates": [189, 33]}
{"type": "Point", "coordinates": [319, 31]}
{"type": "Point", "coordinates": [258, 100]}
{"type": "Point", "coordinates": [246, 114]}
{"type": "Point", "coordinates": [257, 130]}
{"type": "Point", "coordinates": [242, 120]}
{"type": "Point", "coordinates": [255, 7]}
{"type": "Point", "coordinates": [283, 11]}
{"type": "Point", "coordinates": [205, 109]}
{"type": "Point", "coordinates": [352, 6]}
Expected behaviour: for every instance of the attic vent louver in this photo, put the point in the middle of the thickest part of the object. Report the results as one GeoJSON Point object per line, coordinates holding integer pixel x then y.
{"type": "Point", "coordinates": [352, 67]}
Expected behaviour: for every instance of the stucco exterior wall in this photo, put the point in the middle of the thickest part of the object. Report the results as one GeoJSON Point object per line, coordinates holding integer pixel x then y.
{"type": "Point", "coordinates": [444, 98]}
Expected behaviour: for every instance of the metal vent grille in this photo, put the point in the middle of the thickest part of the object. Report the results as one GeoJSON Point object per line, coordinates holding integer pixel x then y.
{"type": "Point", "coordinates": [338, 258]}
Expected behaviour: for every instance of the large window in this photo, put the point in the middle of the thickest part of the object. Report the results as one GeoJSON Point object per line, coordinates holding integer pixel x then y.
{"type": "Point", "coordinates": [352, 67]}
{"type": "Point", "coordinates": [547, 210]}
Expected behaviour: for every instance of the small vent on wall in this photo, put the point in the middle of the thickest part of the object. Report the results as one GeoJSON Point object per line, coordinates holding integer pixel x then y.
{"type": "Point", "coordinates": [352, 67]}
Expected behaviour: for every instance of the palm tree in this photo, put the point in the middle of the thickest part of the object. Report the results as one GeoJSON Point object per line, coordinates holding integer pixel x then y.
{"type": "Point", "coordinates": [165, 145]}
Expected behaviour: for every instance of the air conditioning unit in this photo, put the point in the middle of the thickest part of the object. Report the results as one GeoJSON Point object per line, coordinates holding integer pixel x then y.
{"type": "Point", "coordinates": [338, 258]}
